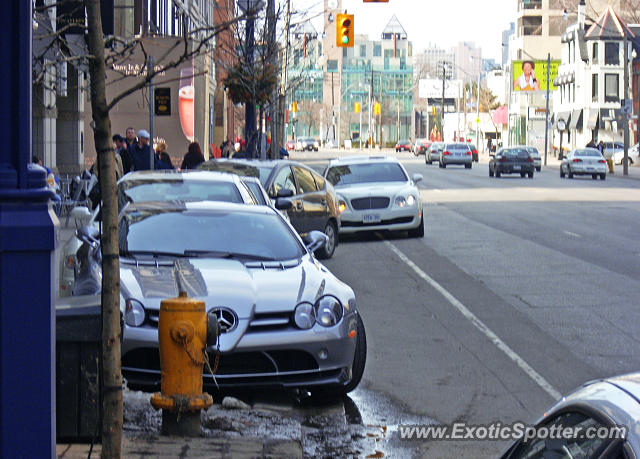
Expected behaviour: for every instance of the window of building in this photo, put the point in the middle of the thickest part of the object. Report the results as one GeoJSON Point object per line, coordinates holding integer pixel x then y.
{"type": "Point", "coordinates": [611, 87]}
{"type": "Point", "coordinates": [377, 50]}
{"type": "Point", "coordinates": [531, 25]}
{"type": "Point", "coordinates": [612, 53]}
{"type": "Point", "coordinates": [594, 87]}
{"type": "Point", "coordinates": [388, 53]}
{"type": "Point", "coordinates": [363, 50]}
{"type": "Point", "coordinates": [594, 54]}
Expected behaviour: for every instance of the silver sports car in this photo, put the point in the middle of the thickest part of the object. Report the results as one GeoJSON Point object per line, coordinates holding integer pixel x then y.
{"type": "Point", "coordinates": [286, 320]}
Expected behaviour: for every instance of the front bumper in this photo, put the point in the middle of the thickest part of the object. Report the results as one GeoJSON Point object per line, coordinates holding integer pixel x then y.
{"type": "Point", "coordinates": [389, 220]}
{"type": "Point", "coordinates": [284, 358]}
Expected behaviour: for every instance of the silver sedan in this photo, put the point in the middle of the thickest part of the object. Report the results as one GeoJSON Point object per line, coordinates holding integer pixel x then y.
{"type": "Point", "coordinates": [584, 161]}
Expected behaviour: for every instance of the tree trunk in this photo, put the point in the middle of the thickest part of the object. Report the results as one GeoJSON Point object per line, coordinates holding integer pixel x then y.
{"type": "Point", "coordinates": [111, 333]}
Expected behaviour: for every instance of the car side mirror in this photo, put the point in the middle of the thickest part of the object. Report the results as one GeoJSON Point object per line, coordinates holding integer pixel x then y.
{"type": "Point", "coordinates": [417, 178]}
{"type": "Point", "coordinates": [315, 240]}
{"type": "Point", "coordinates": [284, 193]}
{"type": "Point", "coordinates": [283, 204]}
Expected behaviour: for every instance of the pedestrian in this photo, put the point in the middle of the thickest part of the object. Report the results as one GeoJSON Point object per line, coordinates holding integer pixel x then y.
{"type": "Point", "coordinates": [141, 152]}
{"type": "Point", "coordinates": [130, 136]}
{"type": "Point", "coordinates": [489, 144]}
{"type": "Point", "coordinates": [193, 158]}
{"type": "Point", "coordinates": [162, 160]}
{"type": "Point", "coordinates": [601, 147]}
{"type": "Point", "coordinates": [118, 143]}
{"type": "Point", "coordinates": [591, 144]}
{"type": "Point", "coordinates": [228, 148]}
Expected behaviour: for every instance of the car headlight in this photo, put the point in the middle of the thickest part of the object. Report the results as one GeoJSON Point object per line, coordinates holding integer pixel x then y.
{"type": "Point", "coordinates": [400, 201]}
{"type": "Point", "coordinates": [134, 314]}
{"type": "Point", "coordinates": [329, 311]}
{"type": "Point", "coordinates": [304, 316]}
{"type": "Point", "coordinates": [342, 205]}
{"type": "Point", "coordinates": [411, 200]}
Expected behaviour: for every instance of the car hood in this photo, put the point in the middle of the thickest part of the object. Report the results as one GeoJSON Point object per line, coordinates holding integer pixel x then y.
{"type": "Point", "coordinates": [364, 190]}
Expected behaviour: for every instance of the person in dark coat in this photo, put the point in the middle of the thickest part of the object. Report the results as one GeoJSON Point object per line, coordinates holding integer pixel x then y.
{"type": "Point", "coordinates": [162, 160]}
{"type": "Point", "coordinates": [141, 152]}
{"type": "Point", "coordinates": [193, 158]}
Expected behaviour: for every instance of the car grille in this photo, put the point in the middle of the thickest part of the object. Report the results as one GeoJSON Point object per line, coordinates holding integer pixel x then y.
{"type": "Point", "coordinates": [393, 221]}
{"type": "Point", "coordinates": [235, 363]}
{"type": "Point", "coordinates": [260, 322]}
{"type": "Point", "coordinates": [370, 203]}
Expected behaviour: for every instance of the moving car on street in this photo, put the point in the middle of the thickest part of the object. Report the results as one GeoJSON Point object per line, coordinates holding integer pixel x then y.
{"type": "Point", "coordinates": [604, 413]}
{"type": "Point", "coordinates": [433, 152]}
{"type": "Point", "coordinates": [535, 155]}
{"type": "Point", "coordinates": [584, 161]}
{"type": "Point", "coordinates": [290, 144]}
{"type": "Point", "coordinates": [307, 144]}
{"type": "Point", "coordinates": [286, 321]}
{"type": "Point", "coordinates": [456, 153]}
{"type": "Point", "coordinates": [421, 146]}
{"type": "Point", "coordinates": [376, 193]}
{"type": "Point", "coordinates": [511, 160]}
{"type": "Point", "coordinates": [403, 145]}
{"type": "Point", "coordinates": [474, 152]}
{"type": "Point", "coordinates": [160, 185]}
{"type": "Point", "coordinates": [315, 206]}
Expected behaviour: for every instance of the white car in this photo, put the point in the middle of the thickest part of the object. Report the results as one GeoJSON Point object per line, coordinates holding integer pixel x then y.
{"type": "Point", "coordinates": [376, 193]}
{"type": "Point", "coordinates": [618, 155]}
{"type": "Point", "coordinates": [584, 161]}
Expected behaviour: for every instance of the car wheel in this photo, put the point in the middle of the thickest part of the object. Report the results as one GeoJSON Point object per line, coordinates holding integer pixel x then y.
{"type": "Point", "coordinates": [419, 230]}
{"type": "Point", "coordinates": [538, 169]}
{"type": "Point", "coordinates": [603, 176]}
{"type": "Point", "coordinates": [561, 172]}
{"type": "Point", "coordinates": [530, 174]}
{"type": "Point", "coordinates": [427, 159]}
{"type": "Point", "coordinates": [327, 250]}
{"type": "Point", "coordinates": [467, 166]}
{"type": "Point", "coordinates": [569, 173]}
{"type": "Point", "coordinates": [594, 176]}
{"type": "Point", "coordinates": [522, 174]}
{"type": "Point", "coordinates": [357, 369]}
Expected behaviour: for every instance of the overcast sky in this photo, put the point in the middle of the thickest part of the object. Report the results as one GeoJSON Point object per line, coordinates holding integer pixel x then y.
{"type": "Point", "coordinates": [443, 22]}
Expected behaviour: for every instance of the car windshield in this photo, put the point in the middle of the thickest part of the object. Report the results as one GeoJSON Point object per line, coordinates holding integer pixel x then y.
{"type": "Point", "coordinates": [366, 173]}
{"type": "Point", "coordinates": [177, 190]}
{"type": "Point", "coordinates": [515, 153]}
{"type": "Point", "coordinates": [224, 234]}
{"type": "Point", "coordinates": [239, 168]}
{"type": "Point", "coordinates": [457, 146]}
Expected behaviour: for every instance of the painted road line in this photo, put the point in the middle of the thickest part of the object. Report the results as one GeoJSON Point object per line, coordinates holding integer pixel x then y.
{"type": "Point", "coordinates": [495, 339]}
{"type": "Point", "coordinates": [569, 233]}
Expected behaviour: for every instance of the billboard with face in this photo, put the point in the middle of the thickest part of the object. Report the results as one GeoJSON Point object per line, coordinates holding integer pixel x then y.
{"type": "Point", "coordinates": [531, 75]}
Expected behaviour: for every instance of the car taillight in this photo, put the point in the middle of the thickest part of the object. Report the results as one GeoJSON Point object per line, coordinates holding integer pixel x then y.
{"type": "Point", "coordinates": [475, 152]}
{"type": "Point", "coordinates": [468, 153]}
{"type": "Point", "coordinates": [577, 160]}
{"type": "Point", "coordinates": [503, 159]}
{"type": "Point", "coordinates": [602, 161]}
{"type": "Point", "coordinates": [446, 153]}
{"type": "Point", "coordinates": [529, 159]}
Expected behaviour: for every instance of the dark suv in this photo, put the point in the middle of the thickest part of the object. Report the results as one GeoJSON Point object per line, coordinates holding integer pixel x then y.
{"type": "Point", "coordinates": [314, 199]}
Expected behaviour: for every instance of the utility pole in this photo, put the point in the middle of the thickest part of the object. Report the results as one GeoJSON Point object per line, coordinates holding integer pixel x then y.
{"type": "Point", "coordinates": [151, 108]}
{"type": "Point", "coordinates": [625, 161]}
{"type": "Point", "coordinates": [442, 109]}
{"type": "Point", "coordinates": [546, 121]}
{"type": "Point", "coordinates": [250, 107]}
{"type": "Point", "coordinates": [271, 113]}
{"type": "Point", "coordinates": [478, 113]}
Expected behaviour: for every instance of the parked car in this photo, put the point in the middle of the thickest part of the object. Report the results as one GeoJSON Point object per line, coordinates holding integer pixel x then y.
{"type": "Point", "coordinates": [511, 160]}
{"type": "Point", "coordinates": [474, 152]}
{"type": "Point", "coordinates": [455, 153]}
{"type": "Point", "coordinates": [285, 320]}
{"type": "Point", "coordinates": [421, 146]}
{"type": "Point", "coordinates": [290, 145]}
{"type": "Point", "coordinates": [433, 152]}
{"type": "Point", "coordinates": [584, 161]}
{"type": "Point", "coordinates": [376, 193]}
{"type": "Point", "coordinates": [632, 153]}
{"type": "Point", "coordinates": [611, 148]}
{"type": "Point", "coordinates": [307, 143]}
{"type": "Point", "coordinates": [609, 408]}
{"type": "Point", "coordinates": [160, 185]}
{"type": "Point", "coordinates": [314, 200]}
{"type": "Point", "coordinates": [403, 145]}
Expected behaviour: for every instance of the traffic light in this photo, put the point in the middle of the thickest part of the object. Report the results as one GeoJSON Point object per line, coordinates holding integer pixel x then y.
{"type": "Point", "coordinates": [294, 106]}
{"type": "Point", "coordinates": [356, 107]}
{"type": "Point", "coordinates": [377, 109]}
{"type": "Point", "coordinates": [344, 31]}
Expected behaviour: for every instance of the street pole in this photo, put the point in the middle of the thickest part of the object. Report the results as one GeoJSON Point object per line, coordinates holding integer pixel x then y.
{"type": "Point", "coordinates": [151, 108]}
{"type": "Point", "coordinates": [250, 107]}
{"type": "Point", "coordinates": [360, 136]}
{"type": "Point", "coordinates": [625, 161]}
{"type": "Point", "coordinates": [478, 113]}
{"type": "Point", "coordinates": [442, 105]}
{"type": "Point", "coordinates": [546, 121]}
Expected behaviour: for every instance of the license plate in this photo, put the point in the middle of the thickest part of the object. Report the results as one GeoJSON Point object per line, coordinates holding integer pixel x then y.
{"type": "Point", "coordinates": [516, 168]}
{"type": "Point", "coordinates": [589, 168]}
{"type": "Point", "coordinates": [371, 218]}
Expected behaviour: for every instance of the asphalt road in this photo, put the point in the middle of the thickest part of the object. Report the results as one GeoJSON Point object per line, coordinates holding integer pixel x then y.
{"type": "Point", "coordinates": [521, 290]}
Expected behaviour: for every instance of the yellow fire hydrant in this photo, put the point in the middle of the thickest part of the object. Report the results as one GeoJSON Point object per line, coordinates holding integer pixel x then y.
{"type": "Point", "coordinates": [184, 331]}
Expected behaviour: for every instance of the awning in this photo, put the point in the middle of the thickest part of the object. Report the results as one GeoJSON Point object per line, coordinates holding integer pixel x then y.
{"type": "Point", "coordinates": [576, 120]}
{"type": "Point", "coordinates": [592, 120]}
{"type": "Point", "coordinates": [565, 116]}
